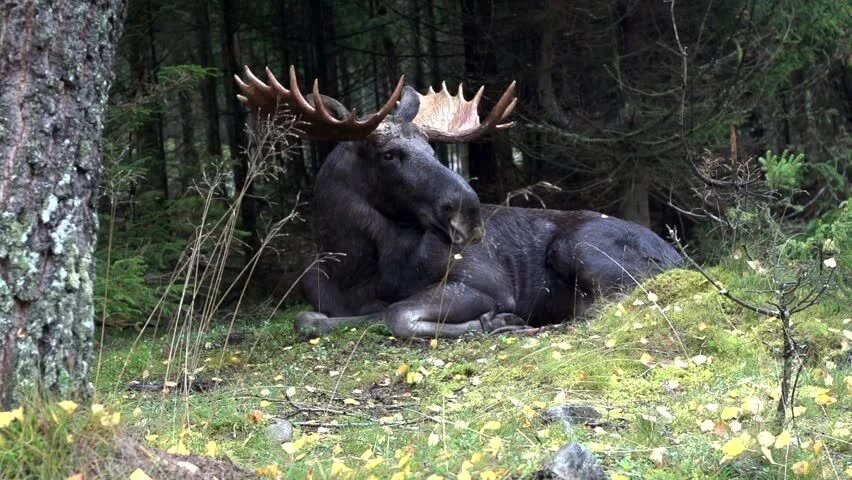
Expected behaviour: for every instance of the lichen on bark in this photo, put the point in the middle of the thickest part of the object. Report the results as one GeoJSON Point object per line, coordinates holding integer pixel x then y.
{"type": "Point", "coordinates": [54, 82]}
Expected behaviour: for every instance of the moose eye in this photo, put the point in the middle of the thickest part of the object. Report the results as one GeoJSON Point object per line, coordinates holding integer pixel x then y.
{"type": "Point", "coordinates": [389, 155]}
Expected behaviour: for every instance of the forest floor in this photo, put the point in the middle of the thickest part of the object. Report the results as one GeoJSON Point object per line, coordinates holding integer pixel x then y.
{"type": "Point", "coordinates": [686, 386]}
{"type": "Point", "coordinates": [683, 384]}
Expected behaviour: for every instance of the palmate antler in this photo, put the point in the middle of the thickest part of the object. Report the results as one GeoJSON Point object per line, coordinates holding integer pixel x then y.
{"type": "Point", "coordinates": [447, 118]}
{"type": "Point", "coordinates": [316, 121]}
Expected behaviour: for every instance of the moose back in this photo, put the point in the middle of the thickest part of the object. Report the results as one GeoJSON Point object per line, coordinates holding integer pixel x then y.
{"type": "Point", "coordinates": [416, 248]}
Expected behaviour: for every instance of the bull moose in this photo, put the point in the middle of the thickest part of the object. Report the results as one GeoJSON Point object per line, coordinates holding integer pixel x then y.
{"type": "Point", "coordinates": [418, 250]}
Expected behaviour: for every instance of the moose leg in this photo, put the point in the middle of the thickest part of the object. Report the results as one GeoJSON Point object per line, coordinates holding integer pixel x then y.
{"type": "Point", "coordinates": [451, 311]}
{"type": "Point", "coordinates": [316, 322]}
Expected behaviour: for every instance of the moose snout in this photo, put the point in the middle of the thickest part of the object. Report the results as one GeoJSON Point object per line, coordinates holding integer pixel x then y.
{"type": "Point", "coordinates": [466, 229]}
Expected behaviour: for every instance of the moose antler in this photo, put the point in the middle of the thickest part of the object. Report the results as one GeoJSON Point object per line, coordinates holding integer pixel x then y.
{"type": "Point", "coordinates": [316, 121]}
{"type": "Point", "coordinates": [447, 118]}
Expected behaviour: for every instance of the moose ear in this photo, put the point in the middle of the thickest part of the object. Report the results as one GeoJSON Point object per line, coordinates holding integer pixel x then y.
{"type": "Point", "coordinates": [408, 105]}
{"type": "Point", "coordinates": [333, 106]}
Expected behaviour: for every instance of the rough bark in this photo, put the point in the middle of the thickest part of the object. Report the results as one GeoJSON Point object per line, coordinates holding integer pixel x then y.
{"type": "Point", "coordinates": [54, 78]}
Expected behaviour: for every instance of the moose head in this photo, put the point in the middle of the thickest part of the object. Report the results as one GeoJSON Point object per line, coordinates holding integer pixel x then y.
{"type": "Point", "coordinates": [385, 158]}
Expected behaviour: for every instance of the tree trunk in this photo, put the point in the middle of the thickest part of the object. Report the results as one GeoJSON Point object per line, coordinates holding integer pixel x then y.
{"type": "Point", "coordinates": [208, 87]}
{"type": "Point", "coordinates": [54, 80]}
{"type": "Point", "coordinates": [248, 207]}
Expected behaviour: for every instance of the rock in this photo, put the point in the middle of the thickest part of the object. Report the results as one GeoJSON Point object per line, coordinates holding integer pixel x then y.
{"type": "Point", "coordinates": [572, 462]}
{"type": "Point", "coordinates": [281, 431]}
{"type": "Point", "coordinates": [571, 414]}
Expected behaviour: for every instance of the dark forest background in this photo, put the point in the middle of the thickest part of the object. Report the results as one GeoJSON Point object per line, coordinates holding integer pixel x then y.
{"type": "Point", "coordinates": [600, 124]}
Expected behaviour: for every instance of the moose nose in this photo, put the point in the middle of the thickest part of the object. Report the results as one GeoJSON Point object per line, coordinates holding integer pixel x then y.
{"type": "Point", "coordinates": [477, 235]}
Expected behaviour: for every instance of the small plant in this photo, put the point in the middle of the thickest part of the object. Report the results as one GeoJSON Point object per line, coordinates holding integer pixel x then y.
{"type": "Point", "coordinates": [783, 172]}
{"type": "Point", "coordinates": [790, 275]}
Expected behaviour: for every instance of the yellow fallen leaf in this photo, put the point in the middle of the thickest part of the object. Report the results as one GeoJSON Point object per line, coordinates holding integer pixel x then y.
{"type": "Point", "coordinates": [76, 476]}
{"type": "Point", "coordinates": [495, 446]}
{"type": "Point", "coordinates": [610, 343]}
{"type": "Point", "coordinates": [68, 405]}
{"type": "Point", "coordinates": [734, 447]}
{"type": "Point", "coordinates": [351, 401]}
{"type": "Point", "coordinates": [151, 438]}
{"type": "Point", "coordinates": [373, 463]}
{"type": "Point", "coordinates": [618, 476]}
{"type": "Point", "coordinates": [139, 474]}
{"type": "Point", "coordinates": [211, 449]}
{"type": "Point", "coordinates": [434, 439]}
{"type": "Point", "coordinates": [799, 411]}
{"type": "Point", "coordinates": [801, 468]}
{"type": "Point", "coordinates": [652, 297]}
{"type": "Point", "coordinates": [707, 425]}
{"type": "Point", "coordinates": [97, 408]}
{"type": "Point", "coordinates": [178, 449]}
{"type": "Point", "coordinates": [433, 343]}
{"type": "Point", "coordinates": [463, 475]}
{"type": "Point", "coordinates": [647, 360]}
{"type": "Point", "coordinates": [488, 475]}
{"type": "Point", "coordinates": [7, 417]}
{"type": "Point", "coordinates": [490, 425]}
{"type": "Point", "coordinates": [314, 341]}
{"type": "Point", "coordinates": [402, 370]}
{"type": "Point", "coordinates": [111, 420]}
{"type": "Point", "coordinates": [824, 399]}
{"type": "Point", "coordinates": [434, 477]}
{"type": "Point", "coordinates": [729, 413]}
{"type": "Point", "coordinates": [413, 377]}
{"type": "Point", "coordinates": [339, 469]}
{"type": "Point", "coordinates": [782, 440]}
{"type": "Point", "coordinates": [271, 471]}
{"type": "Point", "coordinates": [818, 446]}
{"type": "Point", "coordinates": [765, 439]}
{"type": "Point", "coordinates": [768, 454]}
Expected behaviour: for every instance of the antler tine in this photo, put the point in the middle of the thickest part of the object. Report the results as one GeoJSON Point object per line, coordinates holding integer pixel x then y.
{"type": "Point", "coordinates": [317, 121]}
{"type": "Point", "coordinates": [506, 104]}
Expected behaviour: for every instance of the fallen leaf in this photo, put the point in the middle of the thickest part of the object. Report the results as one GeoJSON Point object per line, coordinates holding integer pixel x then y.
{"type": "Point", "coordinates": [699, 359]}
{"type": "Point", "coordinates": [490, 425]}
{"type": "Point", "coordinates": [647, 360]}
{"type": "Point", "coordinates": [7, 417]}
{"type": "Point", "coordinates": [765, 439]}
{"type": "Point", "coordinates": [782, 440]}
{"type": "Point", "coordinates": [139, 474]}
{"type": "Point", "coordinates": [734, 447]}
{"type": "Point", "coordinates": [212, 449]}
{"type": "Point", "coordinates": [657, 455]}
{"type": "Point", "coordinates": [729, 413]}
{"type": "Point", "coordinates": [313, 341]}
{"type": "Point", "coordinates": [801, 468]}
{"type": "Point", "coordinates": [707, 425]}
{"type": "Point", "coordinates": [351, 401]}
{"type": "Point", "coordinates": [178, 449]}
{"type": "Point", "coordinates": [255, 416]}
{"type": "Point", "coordinates": [68, 406]}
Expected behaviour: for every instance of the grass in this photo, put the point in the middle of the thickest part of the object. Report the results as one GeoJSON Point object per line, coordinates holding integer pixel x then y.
{"type": "Point", "coordinates": [678, 381]}
{"type": "Point", "coordinates": [368, 405]}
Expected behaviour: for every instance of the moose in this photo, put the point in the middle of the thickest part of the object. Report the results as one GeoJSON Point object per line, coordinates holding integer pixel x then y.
{"type": "Point", "coordinates": [418, 251]}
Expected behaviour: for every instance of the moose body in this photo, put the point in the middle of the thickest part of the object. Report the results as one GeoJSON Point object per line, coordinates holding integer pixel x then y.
{"type": "Point", "coordinates": [416, 250]}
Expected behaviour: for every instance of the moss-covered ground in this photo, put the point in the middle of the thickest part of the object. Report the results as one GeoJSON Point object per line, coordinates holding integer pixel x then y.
{"type": "Point", "coordinates": [687, 385]}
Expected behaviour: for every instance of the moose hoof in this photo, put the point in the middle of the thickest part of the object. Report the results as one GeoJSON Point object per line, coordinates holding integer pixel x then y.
{"type": "Point", "coordinates": [502, 322]}
{"type": "Point", "coordinates": [310, 322]}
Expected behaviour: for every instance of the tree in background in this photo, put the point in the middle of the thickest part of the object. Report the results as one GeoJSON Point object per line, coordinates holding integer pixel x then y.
{"type": "Point", "coordinates": [54, 82]}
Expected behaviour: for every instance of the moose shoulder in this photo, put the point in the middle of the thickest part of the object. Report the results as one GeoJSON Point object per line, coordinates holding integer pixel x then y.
{"type": "Point", "coordinates": [419, 252]}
